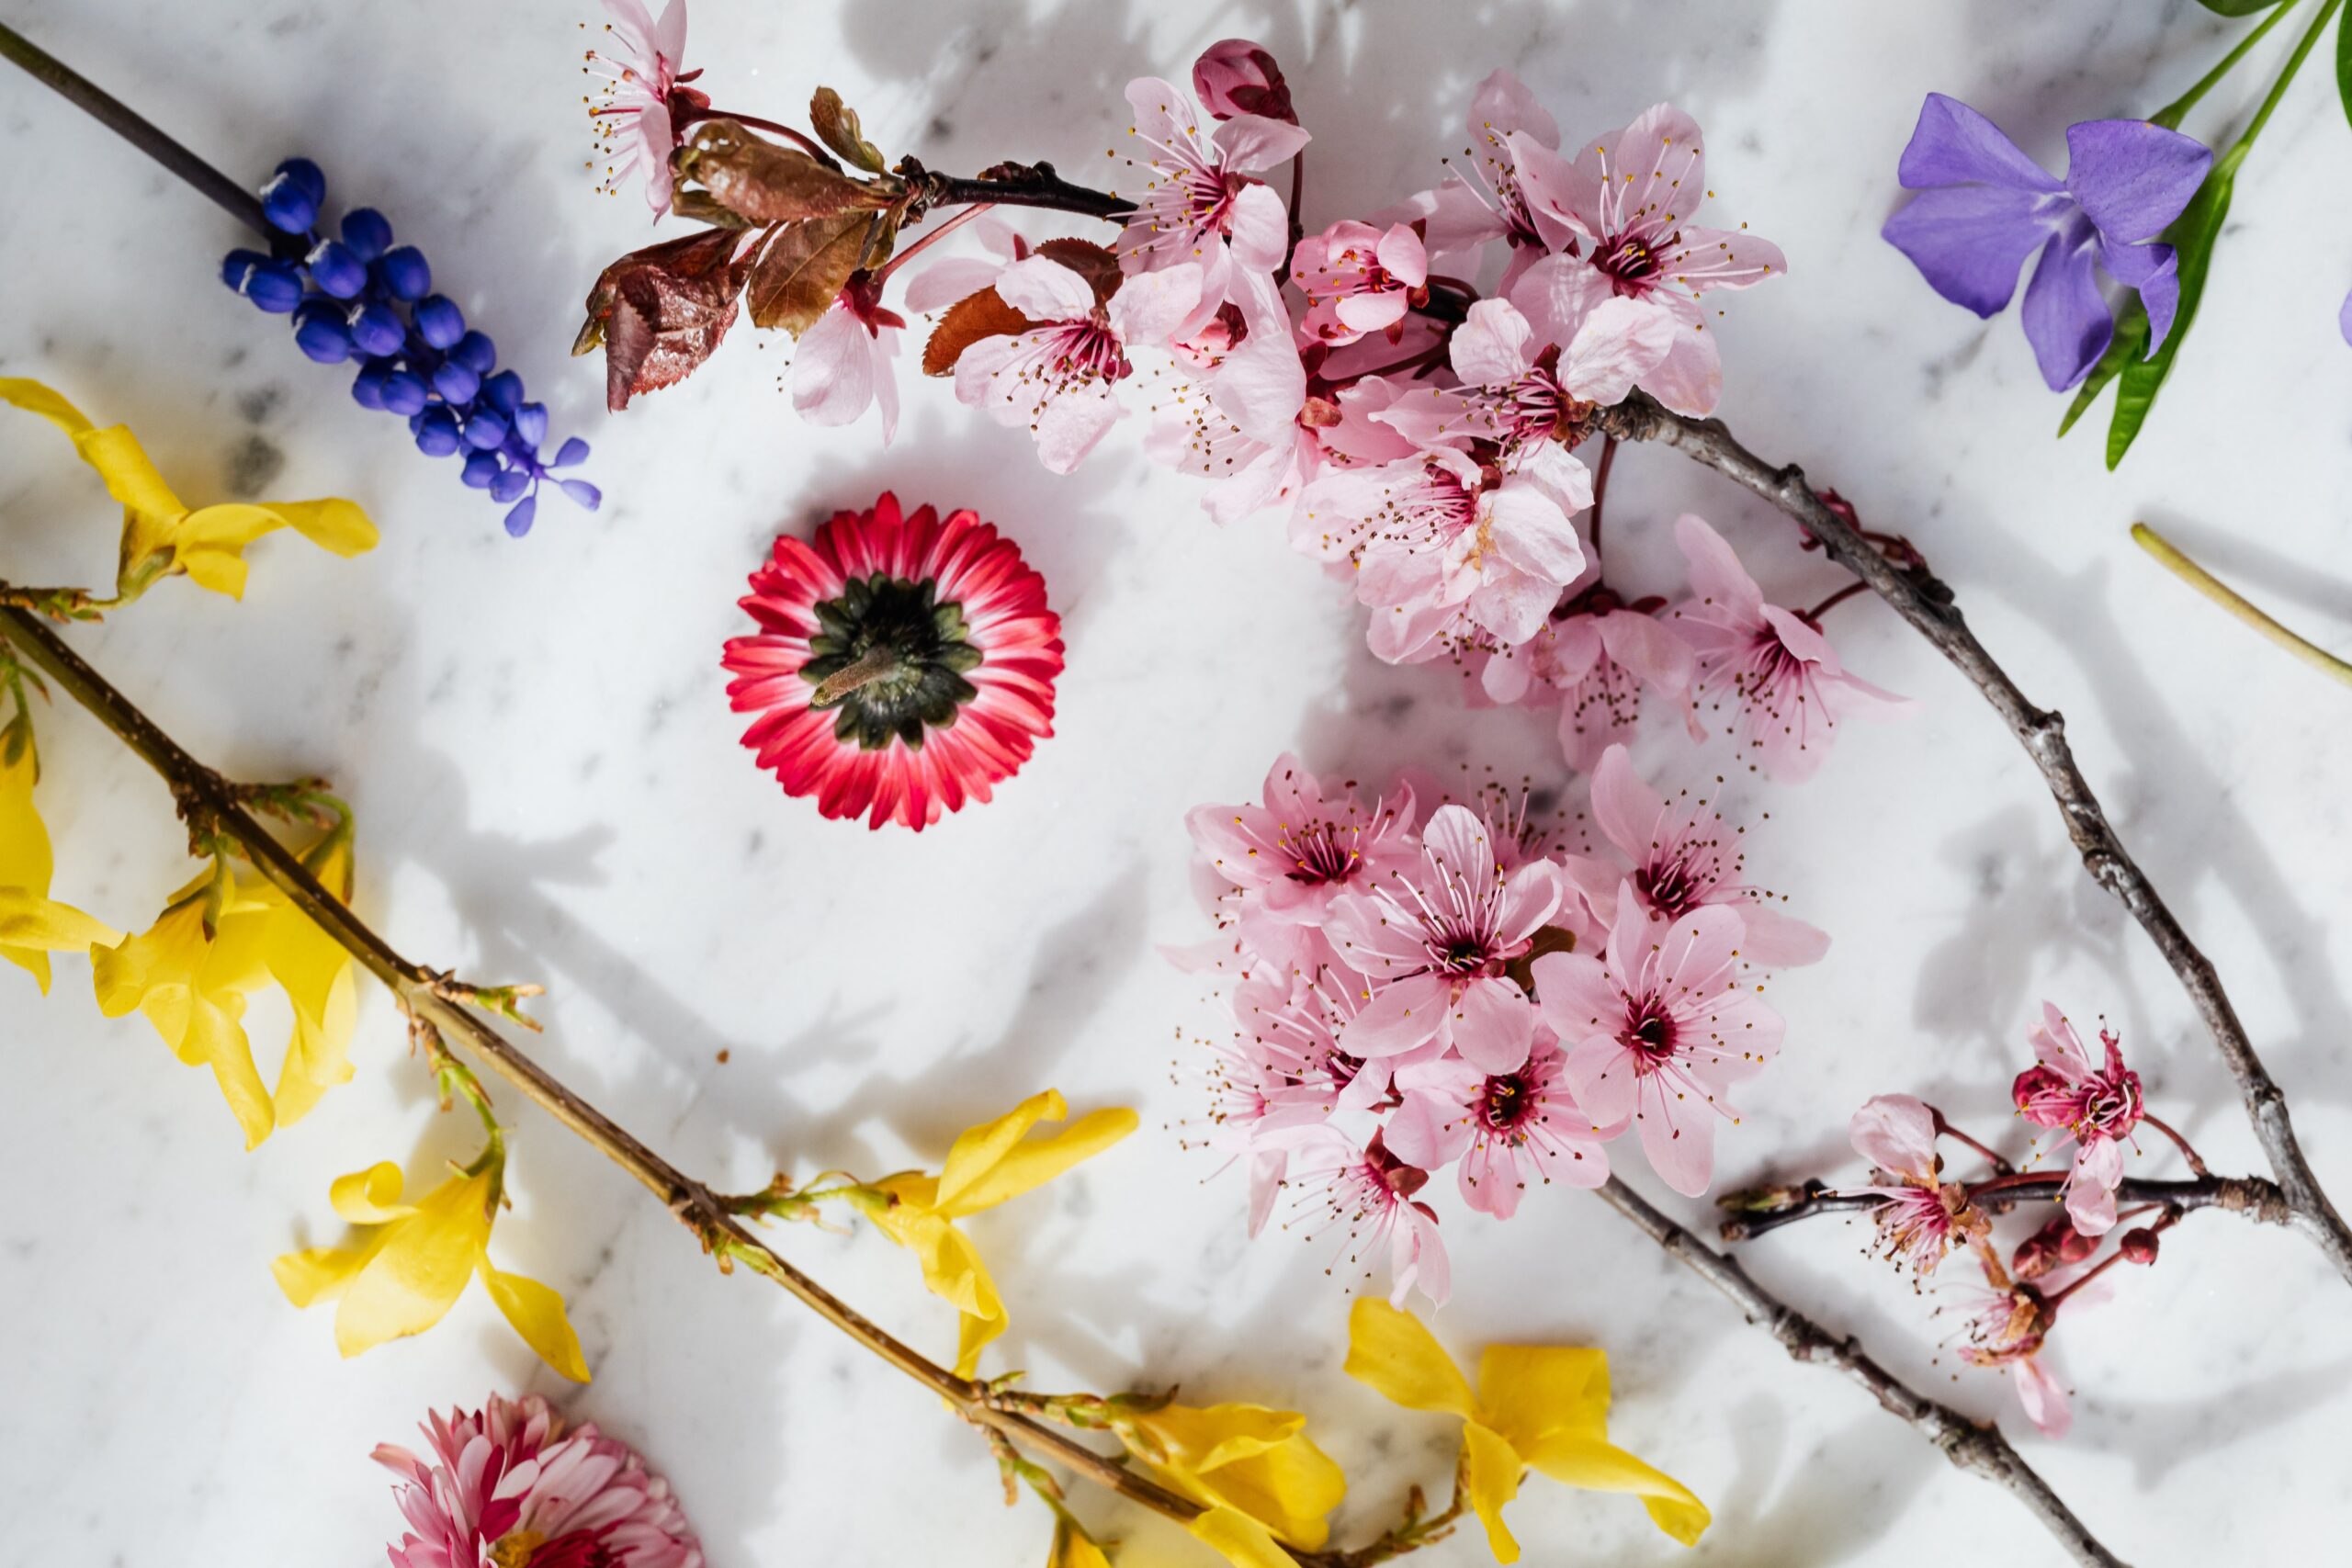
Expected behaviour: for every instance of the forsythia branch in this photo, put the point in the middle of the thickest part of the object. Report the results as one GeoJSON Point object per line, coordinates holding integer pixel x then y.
{"type": "Point", "coordinates": [1927, 606]}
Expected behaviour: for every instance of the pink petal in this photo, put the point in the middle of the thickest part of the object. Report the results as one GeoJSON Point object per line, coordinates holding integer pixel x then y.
{"type": "Point", "coordinates": [1251, 143]}
{"type": "Point", "coordinates": [1778, 941]}
{"type": "Point", "coordinates": [1621, 342]}
{"type": "Point", "coordinates": [1043, 289]}
{"type": "Point", "coordinates": [1626, 809]}
{"type": "Point", "coordinates": [1490, 348]}
{"type": "Point", "coordinates": [1428, 1130]}
{"type": "Point", "coordinates": [1897, 1133]}
{"type": "Point", "coordinates": [1405, 1014]}
{"type": "Point", "coordinates": [1493, 1025]}
{"type": "Point", "coordinates": [1600, 1074]}
{"type": "Point", "coordinates": [1677, 1129]}
{"type": "Point", "coordinates": [1716, 575]}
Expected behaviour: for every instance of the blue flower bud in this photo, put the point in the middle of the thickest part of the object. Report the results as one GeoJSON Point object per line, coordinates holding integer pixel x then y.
{"type": "Point", "coordinates": [377, 330]}
{"type": "Point", "coordinates": [583, 492]}
{"type": "Point", "coordinates": [518, 521]}
{"type": "Point", "coordinates": [476, 352]}
{"type": "Point", "coordinates": [336, 269]}
{"type": "Point", "coordinates": [320, 331]}
{"type": "Point", "coordinates": [437, 433]}
{"type": "Point", "coordinates": [367, 387]}
{"type": "Point", "coordinates": [439, 322]}
{"type": "Point", "coordinates": [504, 392]}
{"type": "Point", "coordinates": [486, 430]}
{"type": "Point", "coordinates": [274, 286]}
{"type": "Point", "coordinates": [455, 382]}
{"type": "Point", "coordinates": [291, 198]}
{"type": "Point", "coordinates": [404, 273]}
{"type": "Point", "coordinates": [238, 266]}
{"type": "Point", "coordinates": [367, 232]}
{"type": "Point", "coordinates": [531, 425]}
{"type": "Point", "coordinates": [483, 468]}
{"type": "Point", "coordinates": [573, 450]}
{"type": "Point", "coordinates": [404, 392]}
{"type": "Point", "coordinates": [511, 485]}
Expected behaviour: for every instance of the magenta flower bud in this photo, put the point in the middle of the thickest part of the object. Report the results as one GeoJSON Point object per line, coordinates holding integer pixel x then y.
{"type": "Point", "coordinates": [2138, 1246]}
{"type": "Point", "coordinates": [1238, 77]}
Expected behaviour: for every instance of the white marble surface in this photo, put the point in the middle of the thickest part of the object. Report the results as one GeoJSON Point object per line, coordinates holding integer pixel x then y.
{"type": "Point", "coordinates": [549, 787]}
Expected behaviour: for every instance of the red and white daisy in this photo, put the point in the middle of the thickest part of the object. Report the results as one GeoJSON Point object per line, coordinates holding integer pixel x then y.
{"type": "Point", "coordinates": [904, 663]}
{"type": "Point", "coordinates": [506, 1487]}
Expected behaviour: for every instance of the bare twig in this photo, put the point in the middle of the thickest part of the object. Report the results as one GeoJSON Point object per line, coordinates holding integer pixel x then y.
{"type": "Point", "coordinates": [1981, 1448]}
{"type": "Point", "coordinates": [1927, 604]}
{"type": "Point", "coordinates": [1751, 1214]}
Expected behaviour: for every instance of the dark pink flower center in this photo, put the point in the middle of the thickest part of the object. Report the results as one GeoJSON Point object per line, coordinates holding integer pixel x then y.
{"type": "Point", "coordinates": [1321, 852]}
{"type": "Point", "coordinates": [1649, 1033]}
{"type": "Point", "coordinates": [1506, 1102]}
{"type": "Point", "coordinates": [1631, 262]}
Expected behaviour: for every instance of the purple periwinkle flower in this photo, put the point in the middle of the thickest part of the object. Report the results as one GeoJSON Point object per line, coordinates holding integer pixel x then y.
{"type": "Point", "coordinates": [1984, 207]}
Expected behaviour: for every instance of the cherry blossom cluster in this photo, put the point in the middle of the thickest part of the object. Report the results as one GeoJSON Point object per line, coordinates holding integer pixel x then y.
{"type": "Point", "coordinates": [1468, 989]}
{"type": "Point", "coordinates": [2093, 1105]}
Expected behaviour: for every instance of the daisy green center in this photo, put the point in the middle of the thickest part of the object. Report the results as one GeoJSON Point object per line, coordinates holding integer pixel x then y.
{"type": "Point", "coordinates": [889, 661]}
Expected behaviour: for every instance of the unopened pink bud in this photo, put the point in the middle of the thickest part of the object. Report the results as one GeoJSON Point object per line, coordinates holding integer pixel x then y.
{"type": "Point", "coordinates": [1236, 77]}
{"type": "Point", "coordinates": [2138, 1246]}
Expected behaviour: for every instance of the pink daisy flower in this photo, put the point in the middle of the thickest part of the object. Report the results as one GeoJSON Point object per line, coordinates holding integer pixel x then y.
{"type": "Point", "coordinates": [1287, 859]}
{"type": "Point", "coordinates": [1626, 200]}
{"type": "Point", "coordinates": [635, 126]}
{"type": "Point", "coordinates": [1370, 1192]}
{"type": "Point", "coordinates": [506, 1488]}
{"type": "Point", "coordinates": [1503, 1127]}
{"type": "Point", "coordinates": [1788, 687]}
{"type": "Point", "coordinates": [1684, 859]}
{"type": "Point", "coordinates": [2095, 1106]}
{"type": "Point", "coordinates": [1357, 280]}
{"type": "Point", "coordinates": [1200, 207]}
{"type": "Point", "coordinates": [1923, 1218]}
{"type": "Point", "coordinates": [1434, 936]}
{"type": "Point", "coordinates": [1663, 1029]}
{"type": "Point", "coordinates": [904, 664]}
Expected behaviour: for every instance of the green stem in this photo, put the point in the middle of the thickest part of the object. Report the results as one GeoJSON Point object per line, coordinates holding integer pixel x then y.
{"type": "Point", "coordinates": [2171, 114]}
{"type": "Point", "coordinates": [2205, 583]}
{"type": "Point", "coordinates": [2287, 73]}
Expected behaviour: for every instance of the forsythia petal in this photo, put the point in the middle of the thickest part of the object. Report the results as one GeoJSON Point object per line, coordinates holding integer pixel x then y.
{"type": "Point", "coordinates": [416, 1276]}
{"type": "Point", "coordinates": [333, 524]}
{"type": "Point", "coordinates": [31, 927]}
{"type": "Point", "coordinates": [34, 398]}
{"type": "Point", "coordinates": [1033, 1163]}
{"type": "Point", "coordinates": [1239, 1539]}
{"type": "Point", "coordinates": [537, 1315]}
{"type": "Point", "coordinates": [1603, 1467]}
{"type": "Point", "coordinates": [1490, 1472]}
{"type": "Point", "coordinates": [316, 1273]}
{"type": "Point", "coordinates": [1529, 1393]}
{"type": "Point", "coordinates": [977, 1149]}
{"type": "Point", "coordinates": [1072, 1547]}
{"type": "Point", "coordinates": [33, 924]}
{"type": "Point", "coordinates": [371, 1197]}
{"type": "Point", "coordinates": [129, 473]}
{"type": "Point", "coordinates": [1258, 1462]}
{"type": "Point", "coordinates": [1395, 1353]}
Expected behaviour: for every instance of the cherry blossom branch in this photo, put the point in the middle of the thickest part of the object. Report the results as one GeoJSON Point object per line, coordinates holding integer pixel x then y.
{"type": "Point", "coordinates": [1966, 1444]}
{"type": "Point", "coordinates": [1759, 1209]}
{"type": "Point", "coordinates": [1926, 604]}
{"type": "Point", "coordinates": [1013, 185]}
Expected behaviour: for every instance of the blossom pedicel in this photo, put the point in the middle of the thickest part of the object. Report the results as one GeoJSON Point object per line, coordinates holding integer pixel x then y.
{"type": "Point", "coordinates": [904, 663]}
{"type": "Point", "coordinates": [358, 297]}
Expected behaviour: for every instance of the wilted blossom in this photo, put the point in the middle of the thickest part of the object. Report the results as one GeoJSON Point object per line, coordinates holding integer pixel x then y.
{"type": "Point", "coordinates": [1924, 1216]}
{"type": "Point", "coordinates": [2097, 1106]}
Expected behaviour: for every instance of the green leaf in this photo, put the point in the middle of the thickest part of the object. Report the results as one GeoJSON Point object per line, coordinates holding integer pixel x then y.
{"type": "Point", "coordinates": [838, 129]}
{"type": "Point", "coordinates": [2129, 340]}
{"type": "Point", "coordinates": [2191, 236]}
{"type": "Point", "coordinates": [2344, 66]}
{"type": "Point", "coordinates": [2236, 7]}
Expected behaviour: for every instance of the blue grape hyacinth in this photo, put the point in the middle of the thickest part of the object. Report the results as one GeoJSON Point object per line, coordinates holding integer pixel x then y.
{"type": "Point", "coordinates": [358, 298]}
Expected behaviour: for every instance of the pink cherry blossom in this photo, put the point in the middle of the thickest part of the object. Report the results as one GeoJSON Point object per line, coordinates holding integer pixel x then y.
{"type": "Point", "coordinates": [843, 363]}
{"type": "Point", "coordinates": [2006, 1327]}
{"type": "Point", "coordinates": [1494, 1122]}
{"type": "Point", "coordinates": [1282, 1071]}
{"type": "Point", "coordinates": [1055, 377]}
{"type": "Point", "coordinates": [950, 278]}
{"type": "Point", "coordinates": [1522, 394]}
{"type": "Point", "coordinates": [1923, 1217]}
{"type": "Point", "coordinates": [1200, 208]}
{"type": "Point", "coordinates": [1627, 198]}
{"type": "Point", "coordinates": [1238, 418]}
{"type": "Point", "coordinates": [1460, 214]}
{"type": "Point", "coordinates": [1786, 681]}
{"type": "Point", "coordinates": [1287, 859]}
{"type": "Point", "coordinates": [1357, 280]}
{"type": "Point", "coordinates": [1593, 658]}
{"type": "Point", "coordinates": [1454, 553]}
{"type": "Point", "coordinates": [1370, 1192]}
{"type": "Point", "coordinates": [1435, 937]}
{"type": "Point", "coordinates": [506, 1486]}
{"type": "Point", "coordinates": [1685, 858]}
{"type": "Point", "coordinates": [1235, 77]}
{"type": "Point", "coordinates": [2097, 1107]}
{"type": "Point", "coordinates": [639, 75]}
{"type": "Point", "coordinates": [1662, 1031]}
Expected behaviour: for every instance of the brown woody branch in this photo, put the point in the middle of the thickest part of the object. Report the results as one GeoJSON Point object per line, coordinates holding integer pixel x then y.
{"type": "Point", "coordinates": [1927, 605]}
{"type": "Point", "coordinates": [1752, 1214]}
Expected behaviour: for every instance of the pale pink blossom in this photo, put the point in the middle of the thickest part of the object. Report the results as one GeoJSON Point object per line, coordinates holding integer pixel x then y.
{"type": "Point", "coordinates": [1371, 1192]}
{"type": "Point", "coordinates": [1923, 1217]}
{"type": "Point", "coordinates": [1200, 208]}
{"type": "Point", "coordinates": [1239, 419]}
{"type": "Point", "coordinates": [1459, 214]}
{"type": "Point", "coordinates": [1662, 1029]}
{"type": "Point", "coordinates": [1055, 377]}
{"type": "Point", "coordinates": [1357, 280]}
{"type": "Point", "coordinates": [2097, 1107]}
{"type": "Point", "coordinates": [1434, 936]}
{"type": "Point", "coordinates": [1235, 77]}
{"type": "Point", "coordinates": [639, 73]}
{"type": "Point", "coordinates": [505, 1487]}
{"type": "Point", "coordinates": [843, 363]}
{"type": "Point", "coordinates": [1789, 689]}
{"type": "Point", "coordinates": [1282, 1071]}
{"type": "Point", "coordinates": [2006, 1327]}
{"type": "Point", "coordinates": [1627, 200]}
{"type": "Point", "coordinates": [951, 278]}
{"type": "Point", "coordinates": [1593, 658]}
{"type": "Point", "coordinates": [1505, 1128]}
{"type": "Point", "coordinates": [1521, 393]}
{"type": "Point", "coordinates": [1684, 858]}
{"type": "Point", "coordinates": [1286, 859]}
{"type": "Point", "coordinates": [1451, 552]}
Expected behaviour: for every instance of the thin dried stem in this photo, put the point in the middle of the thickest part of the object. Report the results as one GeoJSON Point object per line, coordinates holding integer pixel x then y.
{"type": "Point", "coordinates": [1925, 603]}
{"type": "Point", "coordinates": [1753, 1214]}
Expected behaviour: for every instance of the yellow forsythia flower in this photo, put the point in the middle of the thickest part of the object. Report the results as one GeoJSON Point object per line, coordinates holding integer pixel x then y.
{"type": "Point", "coordinates": [1255, 1470]}
{"type": "Point", "coordinates": [160, 534]}
{"type": "Point", "coordinates": [315, 972]}
{"type": "Point", "coordinates": [412, 1260]}
{"type": "Point", "coordinates": [987, 1165]}
{"type": "Point", "coordinates": [33, 924]}
{"type": "Point", "coordinates": [1538, 1404]}
{"type": "Point", "coordinates": [1073, 1548]}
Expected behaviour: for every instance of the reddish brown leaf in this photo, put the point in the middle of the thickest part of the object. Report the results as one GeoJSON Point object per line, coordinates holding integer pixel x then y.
{"type": "Point", "coordinates": [801, 271]}
{"type": "Point", "coordinates": [1090, 261]}
{"type": "Point", "coordinates": [769, 183]}
{"type": "Point", "coordinates": [968, 321]}
{"type": "Point", "coordinates": [660, 311]}
{"type": "Point", "coordinates": [838, 129]}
